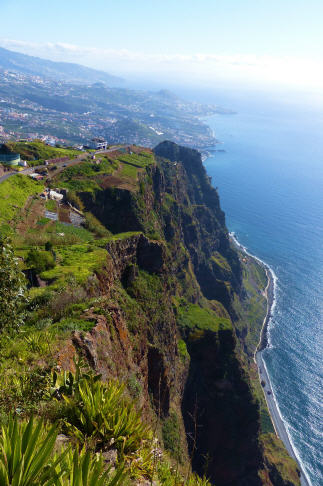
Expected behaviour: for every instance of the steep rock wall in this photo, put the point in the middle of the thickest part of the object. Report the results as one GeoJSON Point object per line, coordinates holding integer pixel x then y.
{"type": "Point", "coordinates": [186, 260]}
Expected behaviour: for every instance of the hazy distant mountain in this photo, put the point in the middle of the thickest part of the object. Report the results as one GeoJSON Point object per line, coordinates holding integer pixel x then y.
{"type": "Point", "coordinates": [64, 71]}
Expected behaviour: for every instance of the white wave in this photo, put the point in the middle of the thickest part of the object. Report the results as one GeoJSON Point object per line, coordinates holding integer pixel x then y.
{"type": "Point", "coordinates": [287, 428]}
{"type": "Point", "coordinates": [267, 267]}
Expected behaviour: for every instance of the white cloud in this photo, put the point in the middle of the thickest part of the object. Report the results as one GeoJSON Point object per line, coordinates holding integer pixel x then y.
{"type": "Point", "coordinates": [284, 70]}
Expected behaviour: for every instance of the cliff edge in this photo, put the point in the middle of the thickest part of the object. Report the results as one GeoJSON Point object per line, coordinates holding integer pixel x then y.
{"type": "Point", "coordinates": [151, 292]}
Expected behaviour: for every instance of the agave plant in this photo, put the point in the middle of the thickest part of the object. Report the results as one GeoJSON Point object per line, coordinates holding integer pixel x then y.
{"type": "Point", "coordinates": [84, 469]}
{"type": "Point", "coordinates": [141, 463]}
{"type": "Point", "coordinates": [27, 459]}
{"type": "Point", "coordinates": [26, 450]}
{"type": "Point", "coordinates": [98, 412]}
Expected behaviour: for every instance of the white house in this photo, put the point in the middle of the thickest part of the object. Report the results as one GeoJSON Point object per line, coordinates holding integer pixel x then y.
{"type": "Point", "coordinates": [98, 144]}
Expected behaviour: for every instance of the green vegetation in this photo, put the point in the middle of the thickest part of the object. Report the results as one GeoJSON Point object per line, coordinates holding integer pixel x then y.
{"type": "Point", "coordinates": [171, 436]}
{"type": "Point", "coordinates": [182, 349]}
{"type": "Point", "coordinates": [38, 150]}
{"type": "Point", "coordinates": [192, 317]}
{"type": "Point", "coordinates": [221, 261]}
{"type": "Point", "coordinates": [25, 453]}
{"type": "Point", "coordinates": [83, 177]}
{"type": "Point", "coordinates": [74, 199]}
{"type": "Point", "coordinates": [129, 171]}
{"type": "Point", "coordinates": [98, 413]}
{"type": "Point", "coordinates": [123, 236]}
{"type": "Point", "coordinates": [40, 261]}
{"type": "Point", "coordinates": [94, 226]}
{"type": "Point", "coordinates": [80, 185]}
{"type": "Point", "coordinates": [133, 325]}
{"type": "Point", "coordinates": [141, 160]}
{"type": "Point", "coordinates": [80, 234]}
{"type": "Point", "coordinates": [132, 162]}
{"type": "Point", "coordinates": [14, 193]}
{"type": "Point", "coordinates": [12, 289]}
{"type": "Point", "coordinates": [276, 454]}
{"type": "Point", "coordinates": [58, 234]}
{"type": "Point", "coordinates": [79, 260]}
{"type": "Point", "coordinates": [169, 476]}
{"type": "Point", "coordinates": [252, 311]}
{"type": "Point", "coordinates": [85, 469]}
{"type": "Point", "coordinates": [28, 458]}
{"type": "Point", "coordinates": [51, 205]}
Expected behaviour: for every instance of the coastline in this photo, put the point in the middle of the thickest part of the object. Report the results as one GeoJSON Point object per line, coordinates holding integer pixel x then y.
{"type": "Point", "coordinates": [279, 425]}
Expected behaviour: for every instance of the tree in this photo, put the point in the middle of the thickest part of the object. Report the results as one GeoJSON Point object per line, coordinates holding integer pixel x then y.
{"type": "Point", "coordinates": [12, 289]}
{"type": "Point", "coordinates": [40, 261]}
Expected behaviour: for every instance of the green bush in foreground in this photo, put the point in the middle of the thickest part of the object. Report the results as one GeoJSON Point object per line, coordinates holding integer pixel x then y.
{"type": "Point", "coordinates": [99, 414]}
{"type": "Point", "coordinates": [83, 469]}
{"type": "Point", "coordinates": [27, 458]}
{"type": "Point", "coordinates": [26, 451]}
{"type": "Point", "coordinates": [40, 260]}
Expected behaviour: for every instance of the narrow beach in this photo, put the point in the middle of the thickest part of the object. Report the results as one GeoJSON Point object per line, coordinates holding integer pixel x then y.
{"type": "Point", "coordinates": [278, 423]}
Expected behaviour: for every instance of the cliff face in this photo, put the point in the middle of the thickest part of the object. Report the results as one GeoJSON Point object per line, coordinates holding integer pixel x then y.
{"type": "Point", "coordinates": [174, 324]}
{"type": "Point", "coordinates": [154, 294]}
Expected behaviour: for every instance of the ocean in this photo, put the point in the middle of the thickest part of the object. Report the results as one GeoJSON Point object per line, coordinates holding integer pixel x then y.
{"type": "Point", "coordinates": [269, 174]}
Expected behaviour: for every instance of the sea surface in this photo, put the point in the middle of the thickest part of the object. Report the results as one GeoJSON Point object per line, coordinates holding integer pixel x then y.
{"type": "Point", "coordinates": [270, 181]}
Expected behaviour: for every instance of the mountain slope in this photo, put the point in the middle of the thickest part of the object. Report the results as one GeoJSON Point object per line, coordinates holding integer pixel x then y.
{"type": "Point", "coordinates": [65, 71]}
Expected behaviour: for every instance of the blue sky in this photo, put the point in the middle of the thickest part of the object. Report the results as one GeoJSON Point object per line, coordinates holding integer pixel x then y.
{"type": "Point", "coordinates": [277, 41]}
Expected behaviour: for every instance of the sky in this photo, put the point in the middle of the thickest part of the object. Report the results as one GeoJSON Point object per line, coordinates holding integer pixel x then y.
{"type": "Point", "coordinates": [260, 41]}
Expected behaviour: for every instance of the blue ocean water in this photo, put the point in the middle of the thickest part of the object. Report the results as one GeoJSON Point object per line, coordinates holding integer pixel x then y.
{"type": "Point", "coordinates": [270, 181]}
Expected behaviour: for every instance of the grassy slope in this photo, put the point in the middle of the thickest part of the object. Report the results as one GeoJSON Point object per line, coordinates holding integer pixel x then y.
{"type": "Point", "coordinates": [192, 318]}
{"type": "Point", "coordinates": [87, 176]}
{"type": "Point", "coordinates": [38, 150]}
{"type": "Point", "coordinates": [14, 193]}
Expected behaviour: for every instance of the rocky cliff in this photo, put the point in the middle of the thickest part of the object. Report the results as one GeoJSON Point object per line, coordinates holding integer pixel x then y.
{"type": "Point", "coordinates": [173, 310]}
{"type": "Point", "coordinates": [176, 323]}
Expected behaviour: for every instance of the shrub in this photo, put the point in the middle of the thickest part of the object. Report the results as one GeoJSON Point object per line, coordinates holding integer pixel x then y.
{"type": "Point", "coordinates": [98, 413]}
{"type": "Point", "coordinates": [25, 454]}
{"type": "Point", "coordinates": [182, 349]}
{"type": "Point", "coordinates": [27, 459]}
{"type": "Point", "coordinates": [49, 246]}
{"type": "Point", "coordinates": [171, 435]}
{"type": "Point", "coordinates": [87, 470]}
{"type": "Point", "coordinates": [40, 261]}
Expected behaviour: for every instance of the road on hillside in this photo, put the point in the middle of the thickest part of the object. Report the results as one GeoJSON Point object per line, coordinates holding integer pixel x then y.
{"type": "Point", "coordinates": [30, 170]}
